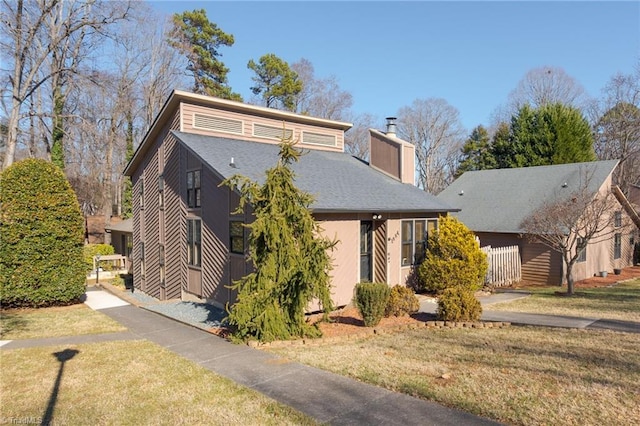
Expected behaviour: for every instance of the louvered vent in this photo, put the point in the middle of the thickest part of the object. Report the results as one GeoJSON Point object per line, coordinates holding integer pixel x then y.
{"type": "Point", "coordinates": [218, 124]}
{"type": "Point", "coordinates": [318, 139]}
{"type": "Point", "coordinates": [270, 132]}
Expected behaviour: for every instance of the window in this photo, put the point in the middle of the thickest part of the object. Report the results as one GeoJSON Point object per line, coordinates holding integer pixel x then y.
{"type": "Point", "coordinates": [236, 236]}
{"type": "Point", "coordinates": [582, 257]}
{"type": "Point", "coordinates": [141, 199]}
{"type": "Point", "coordinates": [193, 189]}
{"type": "Point", "coordinates": [142, 259]}
{"type": "Point", "coordinates": [193, 242]}
{"type": "Point", "coordinates": [414, 240]}
{"type": "Point", "coordinates": [617, 219]}
{"type": "Point", "coordinates": [161, 263]}
{"type": "Point", "coordinates": [617, 246]}
{"type": "Point", "coordinates": [161, 191]}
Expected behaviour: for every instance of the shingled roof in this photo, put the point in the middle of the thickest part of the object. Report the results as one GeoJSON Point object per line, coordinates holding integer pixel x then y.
{"type": "Point", "coordinates": [338, 181]}
{"type": "Point", "coordinates": [499, 200]}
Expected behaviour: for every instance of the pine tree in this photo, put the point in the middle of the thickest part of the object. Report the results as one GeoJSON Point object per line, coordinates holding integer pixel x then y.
{"type": "Point", "coordinates": [291, 260]}
{"type": "Point", "coordinates": [199, 40]}
{"type": "Point", "coordinates": [276, 81]}
{"type": "Point", "coordinates": [476, 152]}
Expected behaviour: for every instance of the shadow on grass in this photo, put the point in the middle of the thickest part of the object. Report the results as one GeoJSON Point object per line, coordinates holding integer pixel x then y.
{"type": "Point", "coordinates": [62, 357]}
{"type": "Point", "coordinates": [12, 322]}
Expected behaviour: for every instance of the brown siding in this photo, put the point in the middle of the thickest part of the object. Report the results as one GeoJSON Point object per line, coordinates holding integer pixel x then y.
{"type": "Point", "coordinates": [386, 156]}
{"type": "Point", "coordinates": [175, 223]}
{"type": "Point", "coordinates": [152, 225]}
{"type": "Point", "coordinates": [248, 120]}
{"type": "Point", "coordinates": [215, 238]}
{"type": "Point", "coordinates": [138, 228]}
{"type": "Point", "coordinates": [499, 239]}
{"type": "Point", "coordinates": [541, 265]}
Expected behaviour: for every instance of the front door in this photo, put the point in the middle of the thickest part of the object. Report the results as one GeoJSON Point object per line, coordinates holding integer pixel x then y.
{"type": "Point", "coordinates": [366, 247]}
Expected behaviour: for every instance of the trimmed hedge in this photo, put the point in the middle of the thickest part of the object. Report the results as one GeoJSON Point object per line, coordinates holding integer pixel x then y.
{"type": "Point", "coordinates": [402, 301]}
{"type": "Point", "coordinates": [41, 237]}
{"type": "Point", "coordinates": [371, 301]}
{"type": "Point", "coordinates": [458, 304]}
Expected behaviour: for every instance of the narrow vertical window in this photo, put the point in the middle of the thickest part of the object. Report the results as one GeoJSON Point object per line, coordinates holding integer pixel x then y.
{"type": "Point", "coordinates": [617, 246]}
{"type": "Point", "coordinates": [617, 219]}
{"type": "Point", "coordinates": [366, 250]}
{"type": "Point", "coordinates": [161, 191]}
{"type": "Point", "coordinates": [161, 264]}
{"type": "Point", "coordinates": [236, 236]}
{"type": "Point", "coordinates": [421, 241]}
{"type": "Point", "coordinates": [141, 194]}
{"type": "Point", "coordinates": [193, 189]}
{"type": "Point", "coordinates": [194, 244]}
{"type": "Point", "coordinates": [582, 256]}
{"type": "Point", "coordinates": [142, 259]}
{"type": "Point", "coordinates": [407, 242]}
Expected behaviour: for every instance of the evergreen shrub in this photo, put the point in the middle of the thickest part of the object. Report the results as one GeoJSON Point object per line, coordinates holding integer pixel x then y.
{"type": "Point", "coordinates": [453, 259]}
{"type": "Point", "coordinates": [91, 250]}
{"type": "Point", "coordinates": [41, 237]}
{"type": "Point", "coordinates": [458, 304]}
{"type": "Point", "coordinates": [402, 301]}
{"type": "Point", "coordinates": [371, 301]}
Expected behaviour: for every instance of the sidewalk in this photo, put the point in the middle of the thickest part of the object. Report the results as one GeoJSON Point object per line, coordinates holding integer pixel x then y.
{"type": "Point", "coordinates": [429, 306]}
{"type": "Point", "coordinates": [327, 397]}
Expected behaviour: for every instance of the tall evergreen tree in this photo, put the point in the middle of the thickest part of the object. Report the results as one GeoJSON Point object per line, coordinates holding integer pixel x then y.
{"type": "Point", "coordinates": [291, 260]}
{"type": "Point", "coordinates": [476, 152]}
{"type": "Point", "coordinates": [199, 40]}
{"type": "Point", "coordinates": [275, 81]}
{"type": "Point", "coordinates": [551, 134]}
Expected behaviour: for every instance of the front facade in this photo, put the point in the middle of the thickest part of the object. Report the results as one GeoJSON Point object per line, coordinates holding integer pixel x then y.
{"type": "Point", "coordinates": [188, 240]}
{"type": "Point", "coordinates": [494, 204]}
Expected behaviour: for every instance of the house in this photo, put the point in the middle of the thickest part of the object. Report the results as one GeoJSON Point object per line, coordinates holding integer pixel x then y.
{"type": "Point", "coordinates": [494, 204]}
{"type": "Point", "coordinates": [122, 238]}
{"type": "Point", "coordinates": [187, 241]}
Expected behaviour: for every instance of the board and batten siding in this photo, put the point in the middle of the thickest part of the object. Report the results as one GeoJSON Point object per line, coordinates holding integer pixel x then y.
{"type": "Point", "coordinates": [247, 127]}
{"type": "Point", "coordinates": [175, 223]}
{"type": "Point", "coordinates": [215, 238]}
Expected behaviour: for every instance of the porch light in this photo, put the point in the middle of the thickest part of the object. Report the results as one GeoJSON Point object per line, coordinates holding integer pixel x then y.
{"type": "Point", "coordinates": [377, 216]}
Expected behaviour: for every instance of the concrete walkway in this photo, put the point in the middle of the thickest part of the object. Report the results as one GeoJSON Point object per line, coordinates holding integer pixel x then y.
{"type": "Point", "coordinates": [429, 306]}
{"type": "Point", "coordinates": [327, 397]}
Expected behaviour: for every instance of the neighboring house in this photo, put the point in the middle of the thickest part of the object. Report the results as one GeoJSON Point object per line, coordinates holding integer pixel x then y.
{"type": "Point", "coordinates": [189, 244]}
{"type": "Point", "coordinates": [122, 238]}
{"type": "Point", "coordinates": [494, 204]}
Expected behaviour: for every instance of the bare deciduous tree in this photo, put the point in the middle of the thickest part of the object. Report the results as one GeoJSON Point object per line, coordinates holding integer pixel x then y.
{"type": "Point", "coordinates": [617, 127]}
{"type": "Point", "coordinates": [34, 32]}
{"type": "Point", "coordinates": [320, 97]}
{"type": "Point", "coordinates": [569, 223]}
{"type": "Point", "coordinates": [434, 127]}
{"type": "Point", "coordinates": [356, 140]}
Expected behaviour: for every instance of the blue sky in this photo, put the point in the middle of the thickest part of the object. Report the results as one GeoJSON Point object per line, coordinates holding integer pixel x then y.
{"type": "Point", "coordinates": [387, 54]}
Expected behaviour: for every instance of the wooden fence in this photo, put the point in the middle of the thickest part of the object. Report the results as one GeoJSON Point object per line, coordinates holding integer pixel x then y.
{"type": "Point", "coordinates": [504, 265]}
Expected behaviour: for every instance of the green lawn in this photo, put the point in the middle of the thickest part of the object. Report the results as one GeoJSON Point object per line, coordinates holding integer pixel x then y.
{"type": "Point", "coordinates": [516, 375]}
{"type": "Point", "coordinates": [54, 322]}
{"type": "Point", "coordinates": [128, 383]}
{"type": "Point", "coordinates": [619, 302]}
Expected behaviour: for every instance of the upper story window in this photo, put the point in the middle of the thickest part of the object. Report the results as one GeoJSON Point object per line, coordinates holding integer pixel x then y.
{"type": "Point", "coordinates": [617, 219]}
{"type": "Point", "coordinates": [193, 189]}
